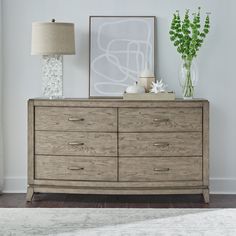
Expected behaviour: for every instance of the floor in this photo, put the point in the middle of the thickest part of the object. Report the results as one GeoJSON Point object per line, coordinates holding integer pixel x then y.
{"type": "Point", "coordinates": [106, 201]}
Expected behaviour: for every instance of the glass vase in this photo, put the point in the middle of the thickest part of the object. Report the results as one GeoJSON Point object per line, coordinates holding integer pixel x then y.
{"type": "Point", "coordinates": [188, 78]}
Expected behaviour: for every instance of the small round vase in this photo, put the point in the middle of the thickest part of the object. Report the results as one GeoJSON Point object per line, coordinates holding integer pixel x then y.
{"type": "Point", "coordinates": [135, 88]}
{"type": "Point", "coordinates": [188, 78]}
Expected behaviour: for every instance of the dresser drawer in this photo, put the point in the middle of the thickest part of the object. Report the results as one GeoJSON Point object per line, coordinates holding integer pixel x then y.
{"type": "Point", "coordinates": [76, 168]}
{"type": "Point", "coordinates": [160, 169]}
{"type": "Point", "coordinates": [160, 144]}
{"type": "Point", "coordinates": [75, 143]}
{"type": "Point", "coordinates": [76, 119]}
{"type": "Point", "coordinates": [160, 119]}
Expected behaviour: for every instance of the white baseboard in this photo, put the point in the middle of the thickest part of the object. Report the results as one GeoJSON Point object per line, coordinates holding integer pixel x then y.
{"type": "Point", "coordinates": [223, 185]}
{"type": "Point", "coordinates": [15, 185]}
{"type": "Point", "coordinates": [217, 185]}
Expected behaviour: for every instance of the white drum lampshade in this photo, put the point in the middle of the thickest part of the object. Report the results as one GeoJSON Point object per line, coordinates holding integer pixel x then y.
{"type": "Point", "coordinates": [52, 40]}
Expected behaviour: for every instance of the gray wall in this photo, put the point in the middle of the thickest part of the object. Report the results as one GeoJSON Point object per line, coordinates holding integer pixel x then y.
{"type": "Point", "coordinates": [1, 147]}
{"type": "Point", "coordinates": [216, 61]}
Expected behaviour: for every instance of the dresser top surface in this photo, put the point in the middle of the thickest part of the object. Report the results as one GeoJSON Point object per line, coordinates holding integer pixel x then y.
{"type": "Point", "coordinates": [85, 102]}
{"type": "Point", "coordinates": [116, 100]}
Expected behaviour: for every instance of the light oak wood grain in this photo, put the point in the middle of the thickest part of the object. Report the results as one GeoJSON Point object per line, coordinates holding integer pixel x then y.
{"type": "Point", "coordinates": [30, 143]}
{"type": "Point", "coordinates": [206, 143]}
{"type": "Point", "coordinates": [175, 147]}
{"type": "Point", "coordinates": [76, 119]}
{"type": "Point", "coordinates": [206, 151]}
{"type": "Point", "coordinates": [126, 184]}
{"type": "Point", "coordinates": [160, 144]}
{"type": "Point", "coordinates": [75, 168]}
{"type": "Point", "coordinates": [160, 169]}
{"type": "Point", "coordinates": [160, 119]}
{"type": "Point", "coordinates": [75, 143]}
{"type": "Point", "coordinates": [116, 103]}
{"type": "Point", "coordinates": [30, 193]}
{"type": "Point", "coordinates": [206, 195]}
{"type": "Point", "coordinates": [153, 191]}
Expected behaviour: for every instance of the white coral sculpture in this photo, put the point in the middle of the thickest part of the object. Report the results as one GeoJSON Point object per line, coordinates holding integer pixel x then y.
{"type": "Point", "coordinates": [158, 87]}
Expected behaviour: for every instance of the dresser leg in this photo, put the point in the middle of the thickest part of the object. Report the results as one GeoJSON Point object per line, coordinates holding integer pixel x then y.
{"type": "Point", "coordinates": [30, 194]}
{"type": "Point", "coordinates": [206, 195]}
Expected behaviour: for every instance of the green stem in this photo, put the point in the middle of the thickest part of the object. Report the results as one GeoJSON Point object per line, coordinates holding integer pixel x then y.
{"type": "Point", "coordinates": [188, 89]}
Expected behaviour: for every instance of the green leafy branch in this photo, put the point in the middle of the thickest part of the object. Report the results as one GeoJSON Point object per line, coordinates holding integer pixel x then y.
{"type": "Point", "coordinates": [187, 34]}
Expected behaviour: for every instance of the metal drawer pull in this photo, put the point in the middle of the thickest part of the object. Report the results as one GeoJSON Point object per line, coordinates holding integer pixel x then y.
{"type": "Point", "coordinates": [161, 144]}
{"type": "Point", "coordinates": [161, 169]}
{"type": "Point", "coordinates": [161, 120]}
{"type": "Point", "coordinates": [75, 144]}
{"type": "Point", "coordinates": [75, 168]}
{"type": "Point", "coordinates": [75, 119]}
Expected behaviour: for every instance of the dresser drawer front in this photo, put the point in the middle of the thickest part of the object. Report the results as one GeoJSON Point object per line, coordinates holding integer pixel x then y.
{"type": "Point", "coordinates": [76, 168]}
{"type": "Point", "coordinates": [160, 119]}
{"type": "Point", "coordinates": [75, 143]}
{"type": "Point", "coordinates": [76, 119]}
{"type": "Point", "coordinates": [160, 144]}
{"type": "Point", "coordinates": [160, 169]}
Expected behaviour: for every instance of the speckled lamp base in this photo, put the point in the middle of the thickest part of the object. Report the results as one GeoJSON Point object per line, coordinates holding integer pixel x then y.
{"type": "Point", "coordinates": [52, 73]}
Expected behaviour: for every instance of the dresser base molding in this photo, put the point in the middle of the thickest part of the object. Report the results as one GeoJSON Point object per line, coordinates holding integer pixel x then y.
{"type": "Point", "coordinates": [102, 184]}
{"type": "Point", "coordinates": [117, 191]}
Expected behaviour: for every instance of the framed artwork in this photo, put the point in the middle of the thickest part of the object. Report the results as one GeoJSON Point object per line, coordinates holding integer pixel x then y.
{"type": "Point", "coordinates": [120, 48]}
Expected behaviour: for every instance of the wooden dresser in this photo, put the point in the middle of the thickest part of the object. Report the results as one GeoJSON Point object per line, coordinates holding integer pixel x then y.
{"type": "Point", "coordinates": [98, 146]}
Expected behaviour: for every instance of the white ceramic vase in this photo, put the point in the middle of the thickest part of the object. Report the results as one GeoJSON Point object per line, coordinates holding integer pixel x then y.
{"type": "Point", "coordinates": [135, 88]}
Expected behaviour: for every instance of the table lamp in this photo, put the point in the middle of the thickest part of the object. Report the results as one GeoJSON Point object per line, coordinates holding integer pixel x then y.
{"type": "Point", "coordinates": [52, 40]}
